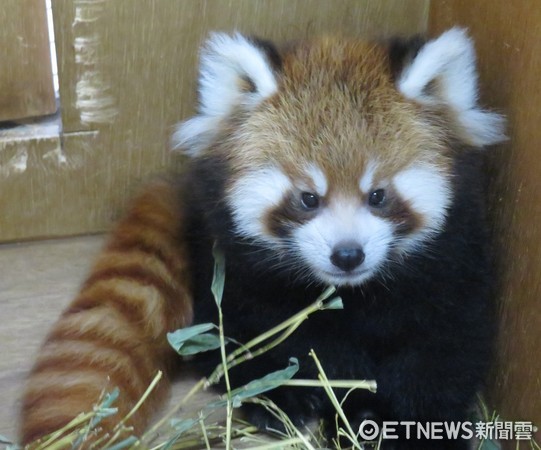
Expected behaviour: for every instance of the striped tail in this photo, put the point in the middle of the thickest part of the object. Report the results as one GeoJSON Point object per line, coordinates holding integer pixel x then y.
{"type": "Point", "coordinates": [113, 333]}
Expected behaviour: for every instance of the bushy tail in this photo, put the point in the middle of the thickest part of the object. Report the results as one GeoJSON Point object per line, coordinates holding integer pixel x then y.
{"type": "Point", "coordinates": [113, 333]}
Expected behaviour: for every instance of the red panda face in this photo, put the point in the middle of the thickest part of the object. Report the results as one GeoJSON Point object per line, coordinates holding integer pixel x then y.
{"type": "Point", "coordinates": [338, 220]}
{"type": "Point", "coordinates": [333, 166]}
{"type": "Point", "coordinates": [340, 237]}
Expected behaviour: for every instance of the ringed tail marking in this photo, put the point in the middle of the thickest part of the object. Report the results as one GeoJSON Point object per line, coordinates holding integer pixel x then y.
{"type": "Point", "coordinates": [113, 332]}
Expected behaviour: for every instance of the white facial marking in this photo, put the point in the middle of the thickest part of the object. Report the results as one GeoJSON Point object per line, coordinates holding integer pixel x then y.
{"type": "Point", "coordinates": [225, 62]}
{"type": "Point", "coordinates": [252, 195]}
{"type": "Point", "coordinates": [367, 180]}
{"type": "Point", "coordinates": [344, 221]}
{"type": "Point", "coordinates": [450, 59]}
{"type": "Point", "coordinates": [318, 178]}
{"type": "Point", "coordinates": [428, 191]}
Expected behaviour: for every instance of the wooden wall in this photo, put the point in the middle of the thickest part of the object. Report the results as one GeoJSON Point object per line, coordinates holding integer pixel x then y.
{"type": "Point", "coordinates": [127, 72]}
{"type": "Point", "coordinates": [508, 40]}
{"type": "Point", "coordinates": [26, 79]}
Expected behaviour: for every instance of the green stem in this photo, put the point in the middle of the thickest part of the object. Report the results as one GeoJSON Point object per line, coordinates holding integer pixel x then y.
{"type": "Point", "coordinates": [285, 443]}
{"type": "Point", "coordinates": [222, 350]}
{"type": "Point", "coordinates": [204, 431]}
{"type": "Point", "coordinates": [194, 390]}
{"type": "Point", "coordinates": [290, 324]}
{"type": "Point", "coordinates": [149, 389]}
{"type": "Point", "coordinates": [119, 428]}
{"type": "Point", "coordinates": [339, 384]}
{"type": "Point", "coordinates": [293, 320]}
{"type": "Point", "coordinates": [65, 442]}
{"type": "Point", "coordinates": [226, 376]}
{"type": "Point", "coordinates": [330, 393]}
{"type": "Point", "coordinates": [251, 355]}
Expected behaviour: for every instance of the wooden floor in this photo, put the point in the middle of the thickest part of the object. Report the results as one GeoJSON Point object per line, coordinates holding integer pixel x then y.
{"type": "Point", "coordinates": [37, 280]}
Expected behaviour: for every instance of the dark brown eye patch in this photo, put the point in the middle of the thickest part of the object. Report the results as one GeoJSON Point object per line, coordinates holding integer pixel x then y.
{"type": "Point", "coordinates": [295, 208]}
{"type": "Point", "coordinates": [388, 204]}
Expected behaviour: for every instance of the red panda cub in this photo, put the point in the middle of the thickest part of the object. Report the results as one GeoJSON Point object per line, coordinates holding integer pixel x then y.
{"type": "Point", "coordinates": [328, 161]}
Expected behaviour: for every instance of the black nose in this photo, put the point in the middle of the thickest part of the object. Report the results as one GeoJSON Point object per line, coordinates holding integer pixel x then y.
{"type": "Point", "coordinates": [347, 257]}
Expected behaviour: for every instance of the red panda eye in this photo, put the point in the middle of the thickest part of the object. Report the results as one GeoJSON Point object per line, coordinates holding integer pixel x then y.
{"type": "Point", "coordinates": [376, 198]}
{"type": "Point", "coordinates": [309, 200]}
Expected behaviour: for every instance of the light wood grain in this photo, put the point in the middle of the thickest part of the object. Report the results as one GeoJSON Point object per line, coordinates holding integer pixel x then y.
{"type": "Point", "coordinates": [127, 71]}
{"type": "Point", "coordinates": [26, 79]}
{"type": "Point", "coordinates": [507, 36]}
{"type": "Point", "coordinates": [37, 282]}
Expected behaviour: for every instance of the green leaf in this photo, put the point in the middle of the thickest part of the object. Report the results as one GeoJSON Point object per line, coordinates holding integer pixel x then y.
{"type": "Point", "coordinates": [5, 440]}
{"type": "Point", "coordinates": [199, 344]}
{"type": "Point", "coordinates": [259, 386]}
{"type": "Point", "coordinates": [128, 442]}
{"type": "Point", "coordinates": [183, 425]}
{"type": "Point", "coordinates": [178, 337]}
{"type": "Point", "coordinates": [218, 279]}
{"type": "Point", "coordinates": [105, 409]}
{"type": "Point", "coordinates": [335, 303]}
{"type": "Point", "coordinates": [110, 397]}
{"type": "Point", "coordinates": [194, 339]}
{"type": "Point", "coordinates": [268, 382]}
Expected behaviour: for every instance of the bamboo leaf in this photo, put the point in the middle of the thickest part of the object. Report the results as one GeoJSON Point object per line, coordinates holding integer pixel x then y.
{"type": "Point", "coordinates": [335, 303]}
{"type": "Point", "coordinates": [105, 409]}
{"type": "Point", "coordinates": [259, 386]}
{"type": "Point", "coordinates": [123, 444]}
{"type": "Point", "coordinates": [9, 444]}
{"type": "Point", "coordinates": [5, 440]}
{"type": "Point", "coordinates": [268, 382]}
{"type": "Point", "coordinates": [183, 425]}
{"type": "Point", "coordinates": [218, 278]}
{"type": "Point", "coordinates": [195, 339]}
{"type": "Point", "coordinates": [200, 344]}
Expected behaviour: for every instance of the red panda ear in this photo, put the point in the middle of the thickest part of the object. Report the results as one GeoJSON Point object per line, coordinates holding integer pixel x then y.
{"type": "Point", "coordinates": [234, 72]}
{"type": "Point", "coordinates": [443, 73]}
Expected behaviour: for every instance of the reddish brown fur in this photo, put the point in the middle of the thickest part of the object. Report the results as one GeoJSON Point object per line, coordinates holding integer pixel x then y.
{"type": "Point", "coordinates": [348, 107]}
{"type": "Point", "coordinates": [113, 333]}
{"type": "Point", "coordinates": [337, 107]}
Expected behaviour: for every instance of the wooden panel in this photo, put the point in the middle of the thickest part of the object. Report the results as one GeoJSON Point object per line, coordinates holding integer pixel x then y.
{"type": "Point", "coordinates": [507, 36]}
{"type": "Point", "coordinates": [26, 83]}
{"type": "Point", "coordinates": [46, 186]}
{"type": "Point", "coordinates": [130, 54]}
{"type": "Point", "coordinates": [127, 73]}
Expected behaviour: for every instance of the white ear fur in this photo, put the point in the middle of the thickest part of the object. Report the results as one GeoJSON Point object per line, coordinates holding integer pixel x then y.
{"type": "Point", "coordinates": [450, 60]}
{"type": "Point", "coordinates": [227, 63]}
